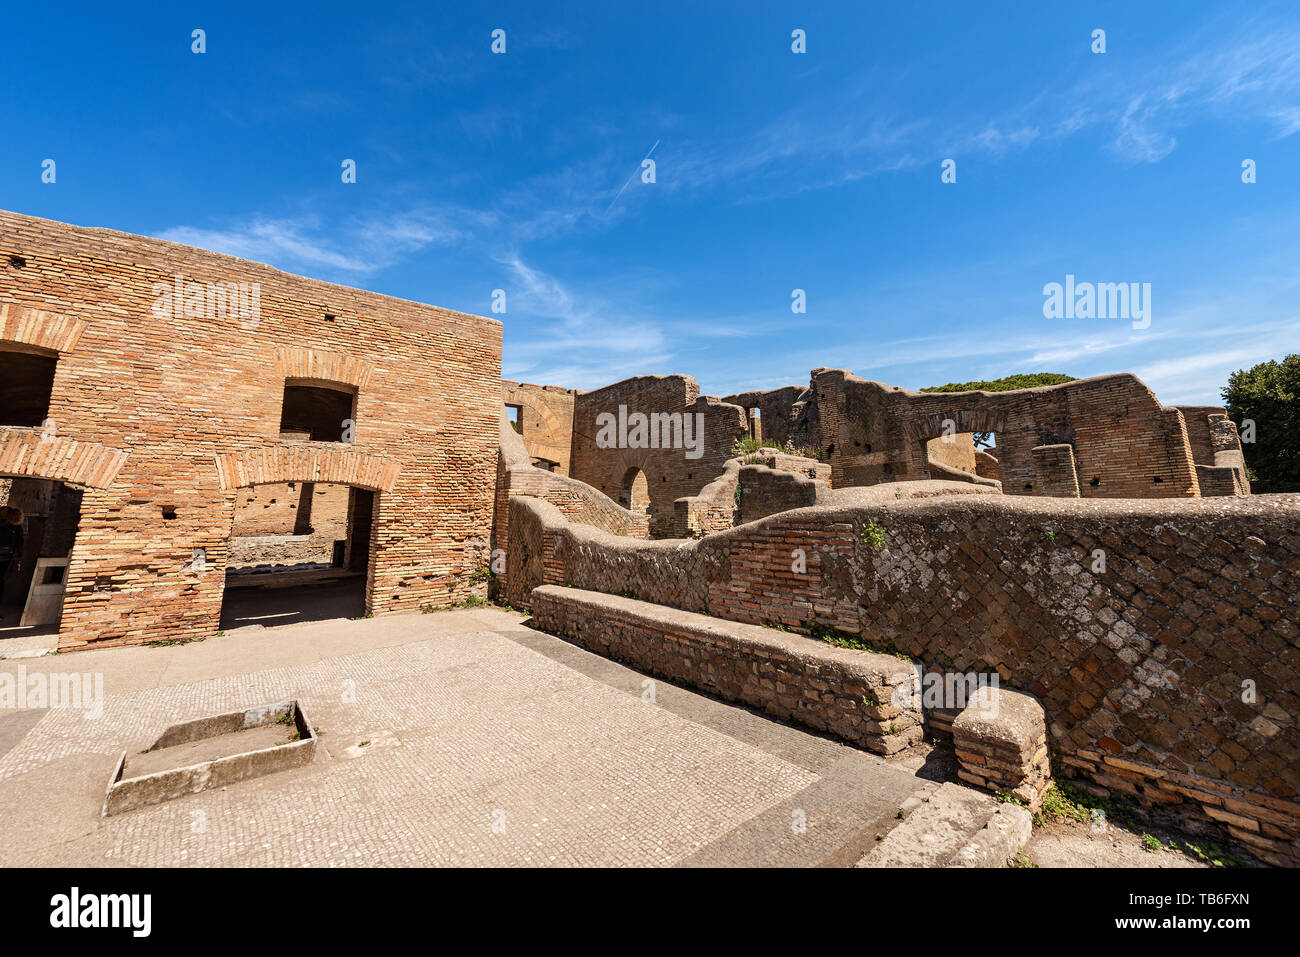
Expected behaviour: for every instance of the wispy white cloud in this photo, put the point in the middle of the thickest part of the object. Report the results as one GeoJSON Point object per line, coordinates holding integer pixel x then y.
{"type": "Point", "coordinates": [305, 244]}
{"type": "Point", "coordinates": [584, 342]}
{"type": "Point", "coordinates": [1247, 71]}
{"type": "Point", "coordinates": [1138, 139]}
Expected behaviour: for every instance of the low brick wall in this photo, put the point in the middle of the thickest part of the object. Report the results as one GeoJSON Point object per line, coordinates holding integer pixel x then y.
{"type": "Point", "coordinates": [847, 693]}
{"type": "Point", "coordinates": [1162, 636]}
{"type": "Point", "coordinates": [766, 490]}
{"type": "Point", "coordinates": [1001, 743]}
{"type": "Point", "coordinates": [253, 550]}
{"type": "Point", "coordinates": [776, 484]}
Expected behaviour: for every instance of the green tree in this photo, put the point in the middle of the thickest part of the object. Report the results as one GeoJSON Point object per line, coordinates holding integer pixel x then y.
{"type": "Point", "coordinates": [1268, 395]}
{"type": "Point", "coordinates": [1023, 380]}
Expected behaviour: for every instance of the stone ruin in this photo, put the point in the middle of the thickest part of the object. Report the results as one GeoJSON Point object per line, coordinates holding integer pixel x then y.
{"type": "Point", "coordinates": [1145, 639]}
{"type": "Point", "coordinates": [1103, 437]}
{"type": "Point", "coordinates": [1104, 557]}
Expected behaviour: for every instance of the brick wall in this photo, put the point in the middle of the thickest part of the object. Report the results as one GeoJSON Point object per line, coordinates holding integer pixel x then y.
{"type": "Point", "coordinates": [784, 483]}
{"type": "Point", "coordinates": [669, 474]}
{"type": "Point", "coordinates": [850, 694]}
{"type": "Point", "coordinates": [546, 420]}
{"type": "Point", "coordinates": [955, 452]}
{"type": "Point", "coordinates": [743, 493]}
{"type": "Point", "coordinates": [1055, 474]}
{"type": "Point", "coordinates": [1124, 443]}
{"type": "Point", "coordinates": [1216, 450]}
{"type": "Point", "coordinates": [778, 411]}
{"type": "Point", "coordinates": [289, 508]}
{"type": "Point", "coordinates": [1140, 663]}
{"type": "Point", "coordinates": [576, 501]}
{"type": "Point", "coordinates": [161, 416]}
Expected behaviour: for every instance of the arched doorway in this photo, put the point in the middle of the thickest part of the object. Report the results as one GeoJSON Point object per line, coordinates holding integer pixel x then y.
{"type": "Point", "coordinates": [45, 477]}
{"type": "Point", "coordinates": [635, 492]}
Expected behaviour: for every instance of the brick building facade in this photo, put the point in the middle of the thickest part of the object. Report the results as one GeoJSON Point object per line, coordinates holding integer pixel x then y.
{"type": "Point", "coordinates": [168, 401]}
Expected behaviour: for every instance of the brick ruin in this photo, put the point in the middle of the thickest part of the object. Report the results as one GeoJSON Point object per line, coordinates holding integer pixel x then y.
{"type": "Point", "coordinates": [1147, 638]}
{"type": "Point", "coordinates": [170, 422]}
{"type": "Point", "coordinates": [1104, 437]}
{"type": "Point", "coordinates": [375, 435]}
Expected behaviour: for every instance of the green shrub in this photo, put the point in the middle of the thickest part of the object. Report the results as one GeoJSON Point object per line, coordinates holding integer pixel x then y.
{"type": "Point", "coordinates": [873, 536]}
{"type": "Point", "coordinates": [747, 445]}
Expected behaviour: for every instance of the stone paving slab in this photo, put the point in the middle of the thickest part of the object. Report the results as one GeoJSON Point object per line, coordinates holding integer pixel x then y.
{"type": "Point", "coordinates": [459, 738]}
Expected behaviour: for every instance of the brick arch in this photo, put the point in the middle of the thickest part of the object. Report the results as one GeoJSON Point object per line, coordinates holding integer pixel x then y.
{"type": "Point", "coordinates": [522, 398]}
{"type": "Point", "coordinates": [50, 331]}
{"type": "Point", "coordinates": [554, 427]}
{"type": "Point", "coordinates": [627, 495]}
{"type": "Point", "coordinates": [929, 425]}
{"type": "Point", "coordinates": [316, 364]}
{"type": "Point", "coordinates": [31, 454]}
{"type": "Point", "coordinates": [629, 459]}
{"type": "Point", "coordinates": [275, 464]}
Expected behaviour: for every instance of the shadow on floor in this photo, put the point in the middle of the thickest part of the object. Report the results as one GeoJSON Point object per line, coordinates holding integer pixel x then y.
{"type": "Point", "coordinates": [11, 614]}
{"type": "Point", "coordinates": [293, 604]}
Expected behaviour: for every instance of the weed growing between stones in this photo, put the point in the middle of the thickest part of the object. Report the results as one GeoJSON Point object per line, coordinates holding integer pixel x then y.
{"type": "Point", "coordinates": [873, 536]}
{"type": "Point", "coordinates": [168, 642]}
{"type": "Point", "coordinates": [1063, 801]}
{"type": "Point", "coordinates": [748, 446]}
{"type": "Point", "coordinates": [842, 639]}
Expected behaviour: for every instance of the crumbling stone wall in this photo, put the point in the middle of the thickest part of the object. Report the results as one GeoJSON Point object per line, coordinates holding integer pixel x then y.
{"type": "Point", "coordinates": [745, 492]}
{"type": "Point", "coordinates": [577, 501]}
{"type": "Point", "coordinates": [252, 551]}
{"type": "Point", "coordinates": [1160, 636]}
{"type": "Point", "coordinates": [163, 418]}
{"type": "Point", "coordinates": [1216, 450]}
{"type": "Point", "coordinates": [669, 474]}
{"type": "Point", "coordinates": [778, 412]}
{"type": "Point", "coordinates": [783, 483]}
{"type": "Point", "coordinates": [1124, 444]}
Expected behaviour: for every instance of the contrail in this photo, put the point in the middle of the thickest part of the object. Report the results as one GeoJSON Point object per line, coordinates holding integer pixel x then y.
{"type": "Point", "coordinates": [630, 178]}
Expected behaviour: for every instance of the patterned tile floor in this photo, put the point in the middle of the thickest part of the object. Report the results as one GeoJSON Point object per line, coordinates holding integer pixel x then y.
{"type": "Point", "coordinates": [458, 738]}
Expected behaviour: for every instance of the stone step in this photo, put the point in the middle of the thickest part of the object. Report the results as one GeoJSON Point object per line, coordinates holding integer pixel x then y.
{"type": "Point", "coordinates": [953, 826]}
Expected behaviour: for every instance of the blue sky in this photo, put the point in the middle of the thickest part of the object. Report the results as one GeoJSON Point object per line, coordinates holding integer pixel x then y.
{"type": "Point", "coordinates": [774, 171]}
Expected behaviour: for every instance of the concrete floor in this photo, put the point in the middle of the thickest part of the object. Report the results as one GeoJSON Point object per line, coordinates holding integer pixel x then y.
{"type": "Point", "coordinates": [21, 642]}
{"type": "Point", "coordinates": [292, 604]}
{"type": "Point", "coordinates": [459, 737]}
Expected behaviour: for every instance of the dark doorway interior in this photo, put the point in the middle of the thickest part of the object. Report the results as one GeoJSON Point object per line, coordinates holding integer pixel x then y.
{"type": "Point", "coordinates": [26, 383]}
{"type": "Point", "coordinates": [40, 544]}
{"type": "Point", "coordinates": [299, 552]}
